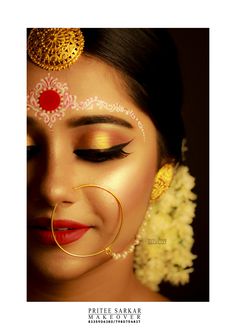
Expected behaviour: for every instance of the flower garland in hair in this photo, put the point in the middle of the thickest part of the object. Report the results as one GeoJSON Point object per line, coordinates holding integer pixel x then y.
{"type": "Point", "coordinates": [164, 252]}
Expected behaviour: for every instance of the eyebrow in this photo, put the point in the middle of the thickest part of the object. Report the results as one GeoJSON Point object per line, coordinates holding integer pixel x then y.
{"type": "Point", "coordinates": [88, 120]}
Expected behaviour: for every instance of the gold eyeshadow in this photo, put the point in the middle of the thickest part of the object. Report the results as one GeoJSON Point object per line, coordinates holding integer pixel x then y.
{"type": "Point", "coordinates": [100, 140]}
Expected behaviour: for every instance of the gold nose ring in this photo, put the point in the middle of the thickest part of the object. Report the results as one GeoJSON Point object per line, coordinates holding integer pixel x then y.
{"type": "Point", "coordinates": [107, 249]}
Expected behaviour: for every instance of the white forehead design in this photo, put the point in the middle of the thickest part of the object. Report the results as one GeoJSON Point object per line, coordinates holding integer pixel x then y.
{"type": "Point", "coordinates": [50, 99]}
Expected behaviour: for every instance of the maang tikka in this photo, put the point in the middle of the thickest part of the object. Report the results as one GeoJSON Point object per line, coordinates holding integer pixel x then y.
{"type": "Point", "coordinates": [55, 48]}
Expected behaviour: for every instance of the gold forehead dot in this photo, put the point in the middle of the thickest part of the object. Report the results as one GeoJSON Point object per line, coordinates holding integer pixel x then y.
{"type": "Point", "coordinates": [55, 48]}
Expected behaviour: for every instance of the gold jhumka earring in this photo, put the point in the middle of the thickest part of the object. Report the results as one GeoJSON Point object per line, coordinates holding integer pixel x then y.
{"type": "Point", "coordinates": [162, 181]}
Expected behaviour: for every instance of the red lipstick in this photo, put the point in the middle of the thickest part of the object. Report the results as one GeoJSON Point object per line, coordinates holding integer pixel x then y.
{"type": "Point", "coordinates": [66, 231]}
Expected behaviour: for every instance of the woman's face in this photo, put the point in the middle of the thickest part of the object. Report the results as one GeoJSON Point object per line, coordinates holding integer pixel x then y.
{"type": "Point", "coordinates": [84, 143]}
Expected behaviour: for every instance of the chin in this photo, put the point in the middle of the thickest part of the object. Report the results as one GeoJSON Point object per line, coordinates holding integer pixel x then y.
{"type": "Point", "coordinates": [61, 267]}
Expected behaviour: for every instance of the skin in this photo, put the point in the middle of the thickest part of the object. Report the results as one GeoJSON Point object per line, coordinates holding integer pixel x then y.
{"type": "Point", "coordinates": [55, 170]}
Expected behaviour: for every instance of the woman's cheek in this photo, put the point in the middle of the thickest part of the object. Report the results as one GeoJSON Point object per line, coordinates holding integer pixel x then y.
{"type": "Point", "coordinates": [133, 177]}
{"type": "Point", "coordinates": [131, 182]}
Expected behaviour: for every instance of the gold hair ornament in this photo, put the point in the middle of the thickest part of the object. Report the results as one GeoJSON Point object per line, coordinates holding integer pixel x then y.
{"type": "Point", "coordinates": [162, 181]}
{"type": "Point", "coordinates": [55, 48]}
{"type": "Point", "coordinates": [107, 249]}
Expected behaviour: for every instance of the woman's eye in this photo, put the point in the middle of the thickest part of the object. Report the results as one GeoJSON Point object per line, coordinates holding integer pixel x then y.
{"type": "Point", "coordinates": [32, 151]}
{"type": "Point", "coordinates": [102, 155]}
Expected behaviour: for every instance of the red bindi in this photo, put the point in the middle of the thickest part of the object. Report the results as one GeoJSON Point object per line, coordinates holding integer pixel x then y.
{"type": "Point", "coordinates": [49, 100]}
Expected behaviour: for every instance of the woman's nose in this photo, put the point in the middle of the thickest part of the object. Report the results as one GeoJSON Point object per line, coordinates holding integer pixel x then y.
{"type": "Point", "coordinates": [57, 182]}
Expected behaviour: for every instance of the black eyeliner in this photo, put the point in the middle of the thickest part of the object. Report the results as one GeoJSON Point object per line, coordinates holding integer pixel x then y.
{"type": "Point", "coordinates": [101, 155]}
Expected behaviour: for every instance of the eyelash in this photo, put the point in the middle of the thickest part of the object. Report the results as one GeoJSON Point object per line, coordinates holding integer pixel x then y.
{"type": "Point", "coordinates": [102, 155]}
{"type": "Point", "coordinates": [91, 155]}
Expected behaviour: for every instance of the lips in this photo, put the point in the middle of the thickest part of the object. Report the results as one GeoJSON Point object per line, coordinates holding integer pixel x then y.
{"type": "Point", "coordinates": [66, 231]}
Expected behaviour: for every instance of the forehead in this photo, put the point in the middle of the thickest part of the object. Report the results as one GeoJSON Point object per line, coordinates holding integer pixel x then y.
{"type": "Point", "coordinates": [87, 77]}
{"type": "Point", "coordinates": [86, 80]}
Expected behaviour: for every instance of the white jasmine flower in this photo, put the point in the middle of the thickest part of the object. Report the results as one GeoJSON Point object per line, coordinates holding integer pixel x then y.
{"type": "Point", "coordinates": [164, 253]}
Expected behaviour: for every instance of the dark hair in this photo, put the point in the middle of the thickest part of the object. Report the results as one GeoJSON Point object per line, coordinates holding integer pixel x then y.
{"type": "Point", "coordinates": [148, 60]}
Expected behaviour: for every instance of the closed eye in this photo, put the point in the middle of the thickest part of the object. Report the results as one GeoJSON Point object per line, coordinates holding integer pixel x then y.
{"type": "Point", "coordinates": [102, 155]}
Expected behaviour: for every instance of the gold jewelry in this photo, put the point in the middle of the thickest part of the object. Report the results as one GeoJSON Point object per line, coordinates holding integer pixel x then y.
{"type": "Point", "coordinates": [55, 48]}
{"type": "Point", "coordinates": [107, 249]}
{"type": "Point", "coordinates": [162, 180]}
